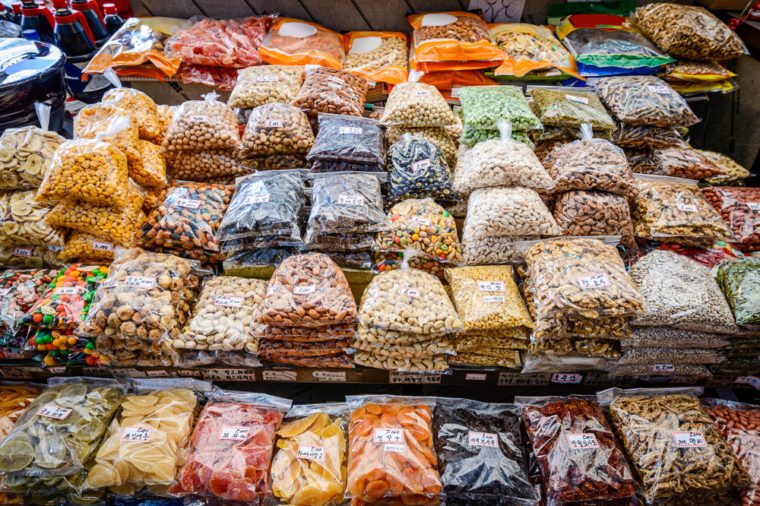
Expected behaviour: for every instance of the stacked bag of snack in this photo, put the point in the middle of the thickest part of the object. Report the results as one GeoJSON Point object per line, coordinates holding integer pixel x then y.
{"type": "Point", "coordinates": [484, 107]}
{"type": "Point", "coordinates": [347, 143]}
{"type": "Point", "coordinates": [277, 136]}
{"type": "Point", "coordinates": [20, 289]}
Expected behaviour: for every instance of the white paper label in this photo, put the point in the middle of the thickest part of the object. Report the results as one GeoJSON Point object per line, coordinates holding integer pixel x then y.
{"type": "Point", "coordinates": [229, 300]}
{"type": "Point", "coordinates": [475, 376]}
{"type": "Point", "coordinates": [396, 448]}
{"type": "Point", "coordinates": [388, 436]}
{"type": "Point", "coordinates": [139, 434]}
{"type": "Point", "coordinates": [483, 439]}
{"type": "Point", "coordinates": [330, 376]}
{"type": "Point", "coordinates": [418, 221]}
{"type": "Point", "coordinates": [272, 123]}
{"type": "Point", "coordinates": [187, 203]}
{"type": "Point", "coordinates": [350, 130]}
{"type": "Point", "coordinates": [304, 290]}
{"type": "Point", "coordinates": [22, 252]}
{"type": "Point", "coordinates": [421, 93]}
{"type": "Point", "coordinates": [54, 248]}
{"type": "Point", "coordinates": [660, 89]}
{"type": "Point", "coordinates": [664, 368]}
{"type": "Point", "coordinates": [279, 376]}
{"type": "Point", "coordinates": [687, 208]}
{"type": "Point", "coordinates": [754, 206]}
{"type": "Point", "coordinates": [266, 79]}
{"type": "Point", "coordinates": [491, 286]}
{"type": "Point", "coordinates": [567, 378]}
{"type": "Point", "coordinates": [410, 292]}
{"type": "Point", "coordinates": [257, 199]}
{"type": "Point", "coordinates": [52, 410]}
{"type": "Point", "coordinates": [67, 290]}
{"type": "Point", "coordinates": [414, 378]}
{"type": "Point", "coordinates": [102, 246]}
{"type": "Point", "coordinates": [576, 99]}
{"type": "Point", "coordinates": [315, 453]}
{"type": "Point", "coordinates": [139, 282]}
{"type": "Point", "coordinates": [233, 433]}
{"type": "Point", "coordinates": [493, 299]}
{"type": "Point", "coordinates": [421, 165]}
{"type": "Point", "coordinates": [350, 199]}
{"type": "Point", "coordinates": [157, 373]}
{"type": "Point", "coordinates": [227, 374]}
{"type": "Point", "coordinates": [582, 441]}
{"type": "Point", "coordinates": [592, 282]}
{"type": "Point", "coordinates": [689, 440]}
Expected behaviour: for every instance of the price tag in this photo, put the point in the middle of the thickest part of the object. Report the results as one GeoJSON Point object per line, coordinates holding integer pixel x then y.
{"type": "Point", "coordinates": [189, 373]}
{"type": "Point", "coordinates": [410, 292]}
{"type": "Point", "coordinates": [102, 246]}
{"type": "Point", "coordinates": [388, 436]}
{"type": "Point", "coordinates": [22, 252]}
{"type": "Point", "coordinates": [390, 447]}
{"type": "Point", "coordinates": [567, 378]}
{"type": "Point", "coordinates": [455, 92]}
{"type": "Point", "coordinates": [266, 79]}
{"type": "Point", "coordinates": [421, 165]}
{"type": "Point", "coordinates": [57, 370]}
{"type": "Point", "coordinates": [498, 299]}
{"type": "Point", "coordinates": [689, 440]}
{"type": "Point", "coordinates": [350, 200]}
{"type": "Point", "coordinates": [304, 290]}
{"type": "Point", "coordinates": [280, 376]}
{"type": "Point", "coordinates": [421, 93]}
{"type": "Point", "coordinates": [754, 206]}
{"type": "Point", "coordinates": [350, 130]}
{"type": "Point", "coordinates": [659, 89]}
{"type": "Point", "coordinates": [229, 374]}
{"type": "Point", "coordinates": [52, 410]}
{"type": "Point", "coordinates": [256, 199]}
{"type": "Point", "coordinates": [491, 286]}
{"type": "Point", "coordinates": [139, 434]}
{"type": "Point", "coordinates": [664, 368]}
{"type": "Point", "coordinates": [482, 439]}
{"type": "Point", "coordinates": [131, 372]}
{"type": "Point", "coordinates": [272, 123]}
{"type": "Point", "coordinates": [687, 208]}
{"type": "Point", "coordinates": [475, 376]}
{"type": "Point", "coordinates": [315, 453]}
{"type": "Point", "coordinates": [157, 373]}
{"type": "Point", "coordinates": [576, 99]}
{"type": "Point", "coordinates": [419, 221]}
{"type": "Point", "coordinates": [54, 248]}
{"type": "Point", "coordinates": [139, 282]}
{"type": "Point", "coordinates": [330, 376]}
{"type": "Point", "coordinates": [592, 282]}
{"type": "Point", "coordinates": [187, 203]}
{"type": "Point", "coordinates": [414, 378]}
{"type": "Point", "coordinates": [67, 290]}
{"type": "Point", "coordinates": [519, 379]}
{"type": "Point", "coordinates": [229, 300]}
{"type": "Point", "coordinates": [582, 441]}
{"type": "Point", "coordinates": [233, 433]}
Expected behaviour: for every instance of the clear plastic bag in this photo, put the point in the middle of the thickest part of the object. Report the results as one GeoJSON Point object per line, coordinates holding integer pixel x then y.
{"type": "Point", "coordinates": [740, 209]}
{"type": "Point", "coordinates": [688, 32]}
{"type": "Point", "coordinates": [266, 84]}
{"type": "Point", "coordinates": [26, 154]}
{"type": "Point", "coordinates": [681, 293]}
{"type": "Point", "coordinates": [740, 281]}
{"type": "Point", "coordinates": [149, 170]}
{"type": "Point", "coordinates": [277, 129]}
{"type": "Point", "coordinates": [377, 56]}
{"type": "Point", "coordinates": [568, 109]}
{"type": "Point", "coordinates": [418, 169]}
{"type": "Point", "coordinates": [396, 345]}
{"type": "Point", "coordinates": [734, 173]}
{"type": "Point", "coordinates": [452, 36]}
{"type": "Point", "coordinates": [346, 141]}
{"type": "Point", "coordinates": [87, 170]}
{"type": "Point", "coordinates": [647, 137]}
{"type": "Point", "coordinates": [14, 399]}
{"type": "Point", "coordinates": [200, 125]}
{"type": "Point", "coordinates": [266, 206]}
{"type": "Point", "coordinates": [673, 210]}
{"type": "Point", "coordinates": [672, 443]}
{"type": "Point", "coordinates": [84, 247]}
{"type": "Point", "coordinates": [206, 165]}
{"type": "Point", "coordinates": [644, 101]}
{"type": "Point", "coordinates": [437, 135]}
{"type": "Point", "coordinates": [685, 162]}
{"type": "Point", "coordinates": [408, 300]}
{"type": "Point", "coordinates": [21, 290]}
{"type": "Point", "coordinates": [553, 361]}
{"type": "Point", "coordinates": [148, 441]}
{"type": "Point", "coordinates": [594, 213]}
{"type": "Point", "coordinates": [308, 291]}
{"type": "Point", "coordinates": [140, 106]}
{"type": "Point", "coordinates": [232, 447]}
{"type": "Point", "coordinates": [93, 120]}
{"type": "Point", "coordinates": [391, 456]}
{"type": "Point", "coordinates": [485, 106]}
{"type": "Point", "coordinates": [23, 221]}
{"type": "Point", "coordinates": [141, 308]}
{"type": "Point", "coordinates": [295, 42]}
{"type": "Point", "coordinates": [531, 50]}
{"type": "Point", "coordinates": [575, 450]}
{"type": "Point", "coordinates": [340, 243]}
{"type": "Point", "coordinates": [327, 90]}
{"type": "Point", "coordinates": [480, 448]}
{"type": "Point", "coordinates": [28, 256]}
{"type": "Point", "coordinates": [684, 372]}
{"type": "Point", "coordinates": [663, 358]}
{"type": "Point", "coordinates": [513, 212]}
{"type": "Point", "coordinates": [413, 104]}
{"type": "Point", "coordinates": [667, 337]}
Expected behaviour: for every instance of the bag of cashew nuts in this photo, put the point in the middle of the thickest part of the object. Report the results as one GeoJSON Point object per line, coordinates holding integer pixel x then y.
{"type": "Point", "coordinates": [590, 164]}
{"type": "Point", "coordinates": [594, 213]}
{"type": "Point", "coordinates": [277, 129]}
{"type": "Point", "coordinates": [266, 84]}
{"type": "Point", "coordinates": [674, 447]}
{"type": "Point", "coordinates": [671, 209]}
{"type": "Point", "coordinates": [413, 104]}
{"type": "Point", "coordinates": [200, 125]}
{"type": "Point", "coordinates": [740, 209]}
{"type": "Point", "coordinates": [308, 291]}
{"type": "Point", "coordinates": [327, 90]}
{"type": "Point", "coordinates": [26, 154]}
{"type": "Point", "coordinates": [141, 307]}
{"type": "Point", "coordinates": [346, 144]}
{"type": "Point", "coordinates": [206, 165]}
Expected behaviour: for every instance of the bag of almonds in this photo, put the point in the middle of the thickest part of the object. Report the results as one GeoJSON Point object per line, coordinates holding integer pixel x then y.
{"type": "Point", "coordinates": [275, 129]}
{"type": "Point", "coordinates": [594, 213]}
{"type": "Point", "coordinates": [200, 125]}
{"type": "Point", "coordinates": [327, 90]}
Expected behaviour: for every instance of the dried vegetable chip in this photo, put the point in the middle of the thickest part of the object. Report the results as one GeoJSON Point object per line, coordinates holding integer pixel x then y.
{"type": "Point", "coordinates": [25, 156]}
{"type": "Point", "coordinates": [24, 221]}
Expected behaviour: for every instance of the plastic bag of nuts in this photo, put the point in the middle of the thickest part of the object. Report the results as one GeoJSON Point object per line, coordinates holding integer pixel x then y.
{"type": "Point", "coordinates": [142, 108]}
{"type": "Point", "coordinates": [734, 173]}
{"type": "Point", "coordinates": [149, 170]}
{"type": "Point", "coordinates": [679, 292]}
{"type": "Point", "coordinates": [188, 218]}
{"type": "Point", "coordinates": [87, 170]}
{"type": "Point", "coordinates": [22, 221]}
{"type": "Point", "coordinates": [206, 165]}
{"type": "Point", "coordinates": [417, 105]}
{"type": "Point", "coordinates": [667, 337]}
{"type": "Point", "coordinates": [377, 56]}
{"type": "Point", "coordinates": [346, 143]}
{"type": "Point", "coordinates": [484, 107]}
{"type": "Point", "coordinates": [308, 291]}
{"type": "Point", "coordinates": [265, 84]}
{"type": "Point", "coordinates": [672, 443]}
{"type": "Point", "coordinates": [673, 210]}
{"type": "Point", "coordinates": [25, 156]}
{"type": "Point", "coordinates": [418, 169]}
{"type": "Point", "coordinates": [408, 300]}
{"type": "Point", "coordinates": [567, 109]}
{"type": "Point", "coordinates": [141, 307]}
{"type": "Point", "coordinates": [575, 450]}
{"type": "Point", "coordinates": [274, 129]}
{"type": "Point", "coordinates": [84, 247]}
{"type": "Point", "coordinates": [685, 162]}
{"type": "Point", "coordinates": [740, 281]}
{"type": "Point", "coordinates": [437, 135]}
{"type": "Point", "coordinates": [661, 358]}
{"type": "Point", "coordinates": [93, 120]}
{"type": "Point", "coordinates": [740, 209]}
{"type": "Point", "coordinates": [327, 90]}
{"type": "Point", "coordinates": [200, 125]}
{"type": "Point", "coordinates": [452, 36]}
{"type": "Point", "coordinates": [594, 213]}
{"type": "Point", "coordinates": [644, 101]}
{"type": "Point", "coordinates": [647, 137]}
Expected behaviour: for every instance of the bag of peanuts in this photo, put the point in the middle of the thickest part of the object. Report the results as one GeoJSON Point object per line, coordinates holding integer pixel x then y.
{"type": "Point", "coordinates": [142, 108]}
{"type": "Point", "coordinates": [740, 209]}
{"type": "Point", "coordinates": [346, 144]}
{"type": "Point", "coordinates": [685, 162]}
{"type": "Point", "coordinates": [200, 125]}
{"type": "Point", "coordinates": [275, 129]}
{"type": "Point", "coordinates": [93, 120]}
{"type": "Point", "coordinates": [327, 90]}
{"type": "Point", "coordinates": [377, 56]}
{"type": "Point", "coordinates": [594, 213]}
{"type": "Point", "coordinates": [417, 105]}
{"type": "Point", "coordinates": [266, 84]}
{"type": "Point", "coordinates": [296, 42]}
{"type": "Point", "coordinates": [206, 165]}
{"type": "Point", "coordinates": [149, 170]}
{"type": "Point", "coordinates": [86, 170]}
{"type": "Point", "coordinates": [673, 445]}
{"type": "Point", "coordinates": [452, 36]}
{"type": "Point", "coordinates": [391, 456]}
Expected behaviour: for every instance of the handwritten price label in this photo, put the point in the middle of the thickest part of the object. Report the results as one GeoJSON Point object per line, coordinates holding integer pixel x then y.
{"type": "Point", "coordinates": [304, 290]}
{"type": "Point", "coordinates": [330, 376]}
{"type": "Point", "coordinates": [350, 130]}
{"type": "Point", "coordinates": [139, 282]}
{"type": "Point", "coordinates": [493, 299]}
{"type": "Point", "coordinates": [54, 411]}
{"type": "Point", "coordinates": [664, 368]}
{"type": "Point", "coordinates": [22, 252]}
{"type": "Point", "coordinates": [592, 282]}
{"type": "Point", "coordinates": [687, 208]}
{"type": "Point", "coordinates": [233, 433]}
{"type": "Point", "coordinates": [388, 436]}
{"type": "Point", "coordinates": [67, 290]}
{"type": "Point", "coordinates": [576, 99]}
{"type": "Point", "coordinates": [315, 453]}
{"type": "Point", "coordinates": [689, 440]}
{"type": "Point", "coordinates": [583, 441]}
{"type": "Point", "coordinates": [272, 123]}
{"type": "Point", "coordinates": [475, 376]}
{"type": "Point", "coordinates": [102, 246]}
{"type": "Point", "coordinates": [187, 203]}
{"type": "Point", "coordinates": [421, 165]}
{"type": "Point", "coordinates": [266, 79]}
{"type": "Point", "coordinates": [491, 286]}
{"type": "Point", "coordinates": [754, 206]}
{"type": "Point", "coordinates": [350, 200]}
{"type": "Point", "coordinates": [410, 292]}
{"type": "Point", "coordinates": [229, 300]}
{"type": "Point", "coordinates": [396, 448]}
{"type": "Point", "coordinates": [482, 439]}
{"type": "Point", "coordinates": [257, 199]}
{"type": "Point", "coordinates": [139, 434]}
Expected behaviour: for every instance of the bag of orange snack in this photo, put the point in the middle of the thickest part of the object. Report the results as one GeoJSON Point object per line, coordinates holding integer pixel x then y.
{"type": "Point", "coordinates": [452, 36]}
{"type": "Point", "coordinates": [295, 42]}
{"type": "Point", "coordinates": [391, 459]}
{"type": "Point", "coordinates": [377, 56]}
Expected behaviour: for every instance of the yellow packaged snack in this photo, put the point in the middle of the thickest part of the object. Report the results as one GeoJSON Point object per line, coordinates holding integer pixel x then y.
{"type": "Point", "coordinates": [142, 108]}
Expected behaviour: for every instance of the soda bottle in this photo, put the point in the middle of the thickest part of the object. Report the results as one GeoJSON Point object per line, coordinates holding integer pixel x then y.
{"type": "Point", "coordinates": [94, 19]}
{"type": "Point", "coordinates": [111, 18]}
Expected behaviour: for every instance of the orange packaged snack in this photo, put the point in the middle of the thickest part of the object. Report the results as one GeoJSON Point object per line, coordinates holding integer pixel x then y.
{"type": "Point", "coordinates": [452, 36]}
{"type": "Point", "coordinates": [391, 458]}
{"type": "Point", "coordinates": [295, 42]}
{"type": "Point", "coordinates": [377, 56]}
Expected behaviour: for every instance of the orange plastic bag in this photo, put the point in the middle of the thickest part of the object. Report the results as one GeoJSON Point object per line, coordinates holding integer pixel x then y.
{"type": "Point", "coordinates": [529, 48]}
{"type": "Point", "coordinates": [295, 42]}
{"type": "Point", "coordinates": [448, 79]}
{"type": "Point", "coordinates": [439, 66]}
{"type": "Point", "coordinates": [391, 457]}
{"type": "Point", "coordinates": [377, 56]}
{"type": "Point", "coordinates": [452, 36]}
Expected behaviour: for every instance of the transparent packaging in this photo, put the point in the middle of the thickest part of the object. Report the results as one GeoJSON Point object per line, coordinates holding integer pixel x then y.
{"type": "Point", "coordinates": [343, 142]}
{"type": "Point", "coordinates": [740, 281]}
{"type": "Point", "coordinates": [418, 169]}
{"type": "Point", "coordinates": [327, 90]}
{"type": "Point", "coordinates": [266, 84]}
{"type": "Point", "coordinates": [200, 125]}
{"type": "Point", "coordinates": [413, 104]}
{"type": "Point", "coordinates": [26, 154]}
